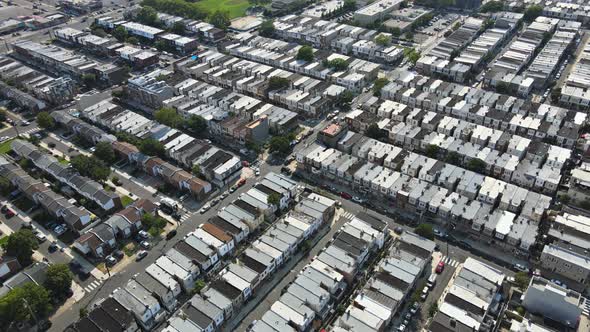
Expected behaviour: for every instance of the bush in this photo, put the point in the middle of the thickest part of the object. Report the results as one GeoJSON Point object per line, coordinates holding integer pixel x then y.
{"type": "Point", "coordinates": [425, 230]}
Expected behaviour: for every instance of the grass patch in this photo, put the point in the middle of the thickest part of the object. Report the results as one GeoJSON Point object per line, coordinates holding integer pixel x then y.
{"type": "Point", "coordinates": [129, 249]}
{"type": "Point", "coordinates": [63, 161]}
{"type": "Point", "coordinates": [101, 267]}
{"type": "Point", "coordinates": [126, 200]}
{"type": "Point", "coordinates": [3, 241]}
{"type": "Point", "coordinates": [236, 8]}
{"type": "Point", "coordinates": [5, 146]}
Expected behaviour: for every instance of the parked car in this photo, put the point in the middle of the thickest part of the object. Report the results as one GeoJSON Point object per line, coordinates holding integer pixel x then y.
{"type": "Point", "coordinates": [118, 254]}
{"type": "Point", "coordinates": [4, 209]}
{"type": "Point", "coordinates": [144, 244]}
{"type": "Point", "coordinates": [425, 291]}
{"type": "Point", "coordinates": [60, 229]}
{"type": "Point", "coordinates": [431, 281]}
{"type": "Point", "coordinates": [171, 234]}
{"type": "Point", "coordinates": [143, 234]}
{"type": "Point", "coordinates": [521, 268]}
{"type": "Point", "coordinates": [9, 213]}
{"type": "Point", "coordinates": [225, 194]}
{"type": "Point", "coordinates": [345, 195]}
{"type": "Point", "coordinates": [41, 237]}
{"type": "Point", "coordinates": [359, 200]}
{"type": "Point", "coordinates": [110, 260]}
{"type": "Point", "coordinates": [241, 182]}
{"type": "Point", "coordinates": [440, 267]}
{"type": "Point", "coordinates": [53, 247]}
{"type": "Point", "coordinates": [141, 255]}
{"type": "Point", "coordinates": [205, 208]}
{"type": "Point", "coordinates": [415, 308]}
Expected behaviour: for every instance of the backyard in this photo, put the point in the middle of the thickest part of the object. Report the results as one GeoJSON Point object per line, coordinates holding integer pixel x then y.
{"type": "Point", "coordinates": [236, 8]}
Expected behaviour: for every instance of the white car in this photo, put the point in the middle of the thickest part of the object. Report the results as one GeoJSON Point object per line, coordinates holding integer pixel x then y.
{"type": "Point", "coordinates": [41, 237]}
{"type": "Point", "coordinates": [205, 208]}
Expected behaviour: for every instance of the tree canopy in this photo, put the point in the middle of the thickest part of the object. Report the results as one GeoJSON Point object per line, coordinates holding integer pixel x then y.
{"type": "Point", "coordinates": [425, 230]}
{"type": "Point", "coordinates": [169, 117]}
{"type": "Point", "coordinates": [220, 19]}
{"type": "Point", "coordinates": [274, 199]}
{"type": "Point", "coordinates": [104, 151]}
{"type": "Point", "coordinates": [305, 53]}
{"type": "Point", "coordinates": [337, 64]}
{"type": "Point", "coordinates": [120, 33]}
{"type": "Point", "coordinates": [152, 147]}
{"type": "Point", "coordinates": [267, 28]}
{"type": "Point", "coordinates": [383, 40]}
{"type": "Point", "coordinates": [492, 7]}
{"type": "Point", "coordinates": [532, 12]}
{"type": "Point", "coordinates": [91, 167]}
{"type": "Point", "coordinates": [21, 245]}
{"type": "Point", "coordinates": [373, 131]}
{"type": "Point", "coordinates": [178, 28]}
{"type": "Point", "coordinates": [18, 303]}
{"type": "Point", "coordinates": [378, 85]}
{"type": "Point", "coordinates": [476, 165]}
{"type": "Point", "coordinates": [45, 121]}
{"type": "Point", "coordinates": [147, 15]}
{"type": "Point", "coordinates": [58, 279]}
{"type": "Point", "coordinates": [197, 125]}
{"type": "Point", "coordinates": [280, 144]}
{"type": "Point", "coordinates": [278, 83]}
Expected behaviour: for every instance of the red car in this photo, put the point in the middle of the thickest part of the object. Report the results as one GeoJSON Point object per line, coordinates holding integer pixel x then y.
{"type": "Point", "coordinates": [440, 267]}
{"type": "Point", "coordinates": [241, 182]}
{"type": "Point", "coordinates": [10, 213]}
{"type": "Point", "coordinates": [345, 195]}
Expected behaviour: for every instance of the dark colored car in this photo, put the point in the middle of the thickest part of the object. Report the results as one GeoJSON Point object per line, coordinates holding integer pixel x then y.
{"type": "Point", "coordinates": [171, 234]}
{"type": "Point", "coordinates": [118, 254]}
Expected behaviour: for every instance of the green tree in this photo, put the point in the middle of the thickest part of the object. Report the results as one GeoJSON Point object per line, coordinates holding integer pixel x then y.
{"type": "Point", "coordinates": [373, 131]}
{"type": "Point", "coordinates": [152, 147]}
{"type": "Point", "coordinates": [199, 285]}
{"type": "Point", "coordinates": [58, 279]}
{"type": "Point", "coordinates": [18, 304]}
{"type": "Point", "coordinates": [522, 280]}
{"type": "Point", "coordinates": [169, 117]}
{"type": "Point", "coordinates": [178, 7]}
{"type": "Point", "coordinates": [120, 33]}
{"type": "Point", "coordinates": [267, 28]}
{"type": "Point", "coordinates": [492, 7]}
{"type": "Point", "coordinates": [555, 95]}
{"type": "Point", "coordinates": [91, 167]}
{"type": "Point", "coordinates": [274, 199]}
{"type": "Point", "coordinates": [104, 151]}
{"type": "Point", "coordinates": [425, 230]}
{"type": "Point", "coordinates": [154, 224]}
{"type": "Point", "coordinates": [502, 88]}
{"type": "Point", "coordinates": [197, 125]}
{"type": "Point", "coordinates": [133, 40]}
{"type": "Point", "coordinates": [45, 121]}
{"type": "Point", "coordinates": [412, 55]}
{"type": "Point", "coordinates": [280, 144]}
{"type": "Point", "coordinates": [477, 165]}
{"type": "Point", "coordinates": [305, 53]}
{"type": "Point", "coordinates": [21, 245]}
{"type": "Point", "coordinates": [147, 15]}
{"type": "Point", "coordinates": [3, 114]}
{"type": "Point", "coordinates": [378, 86]}
{"type": "Point", "coordinates": [433, 309]}
{"type": "Point", "coordinates": [383, 40]}
{"type": "Point", "coordinates": [89, 80]}
{"type": "Point", "coordinates": [5, 186]}
{"type": "Point", "coordinates": [278, 83]}
{"type": "Point", "coordinates": [196, 169]}
{"type": "Point", "coordinates": [409, 35]}
{"type": "Point", "coordinates": [396, 32]}
{"type": "Point", "coordinates": [99, 32]}
{"type": "Point", "coordinates": [453, 158]}
{"type": "Point", "coordinates": [532, 12]}
{"type": "Point", "coordinates": [178, 28]}
{"type": "Point", "coordinates": [432, 150]}
{"type": "Point", "coordinates": [337, 64]}
{"type": "Point", "coordinates": [349, 5]}
{"type": "Point", "coordinates": [220, 19]}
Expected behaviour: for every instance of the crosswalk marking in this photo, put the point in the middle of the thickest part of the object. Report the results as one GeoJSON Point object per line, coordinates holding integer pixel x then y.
{"type": "Point", "coordinates": [92, 285]}
{"type": "Point", "coordinates": [185, 216]}
{"type": "Point", "coordinates": [29, 131]}
{"type": "Point", "coordinates": [586, 307]}
{"type": "Point", "coordinates": [449, 261]}
{"type": "Point", "coordinates": [347, 215]}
